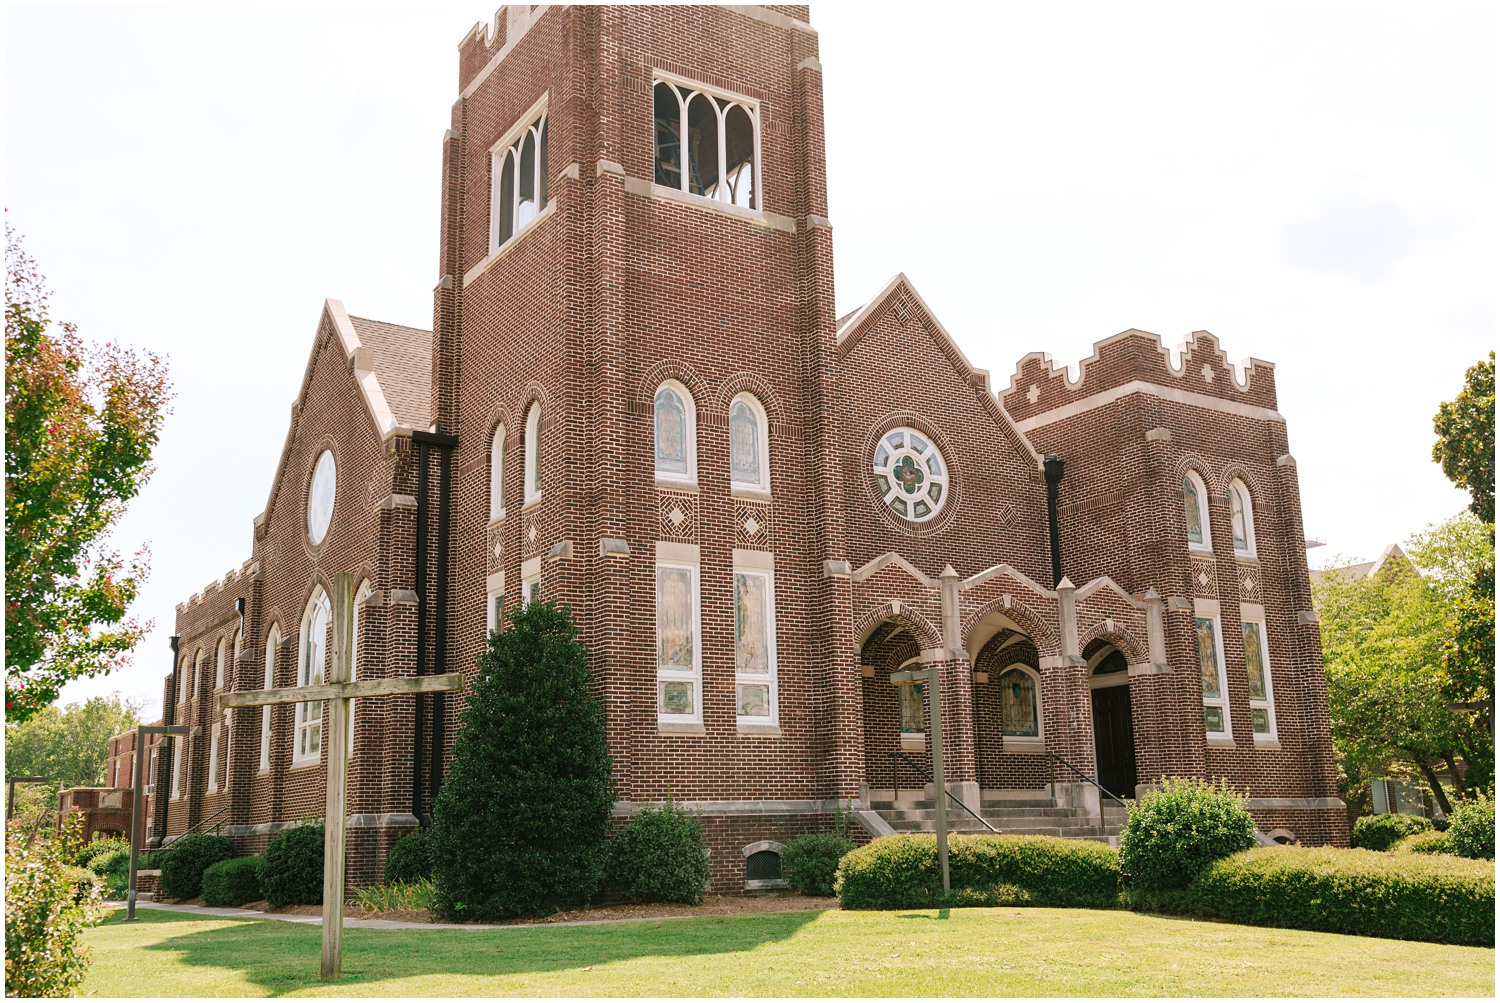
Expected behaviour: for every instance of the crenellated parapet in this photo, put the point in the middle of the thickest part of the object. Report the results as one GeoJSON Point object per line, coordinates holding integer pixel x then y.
{"type": "Point", "coordinates": [1199, 367]}
{"type": "Point", "coordinates": [488, 42]}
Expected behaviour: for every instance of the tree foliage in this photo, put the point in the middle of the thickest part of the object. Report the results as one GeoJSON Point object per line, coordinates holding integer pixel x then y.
{"type": "Point", "coordinates": [80, 423]}
{"type": "Point", "coordinates": [519, 827]}
{"type": "Point", "coordinates": [1389, 687]}
{"type": "Point", "coordinates": [47, 909]}
{"type": "Point", "coordinates": [68, 746]}
{"type": "Point", "coordinates": [1465, 428]}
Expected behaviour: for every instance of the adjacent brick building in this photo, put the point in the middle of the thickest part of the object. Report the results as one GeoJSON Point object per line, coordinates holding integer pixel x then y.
{"type": "Point", "coordinates": [637, 399]}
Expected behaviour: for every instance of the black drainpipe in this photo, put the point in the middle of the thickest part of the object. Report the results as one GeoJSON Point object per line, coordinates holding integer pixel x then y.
{"type": "Point", "coordinates": [434, 747]}
{"type": "Point", "coordinates": [164, 757]}
{"type": "Point", "coordinates": [1052, 468]}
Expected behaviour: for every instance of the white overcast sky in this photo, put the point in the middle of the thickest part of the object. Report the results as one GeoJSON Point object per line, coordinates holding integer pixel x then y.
{"type": "Point", "coordinates": [1313, 183]}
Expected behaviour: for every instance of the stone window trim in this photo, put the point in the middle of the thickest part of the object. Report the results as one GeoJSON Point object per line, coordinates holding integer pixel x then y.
{"type": "Point", "coordinates": [760, 487]}
{"type": "Point", "coordinates": [307, 741]}
{"type": "Point", "coordinates": [273, 642]}
{"type": "Point", "coordinates": [743, 188]}
{"type": "Point", "coordinates": [680, 556]}
{"type": "Point", "coordinates": [758, 564]}
{"type": "Point", "coordinates": [363, 596]}
{"type": "Point", "coordinates": [532, 469]}
{"type": "Point", "coordinates": [1205, 545]}
{"type": "Point", "coordinates": [1024, 745]}
{"type": "Point", "coordinates": [221, 655]}
{"type": "Point", "coordinates": [177, 768]}
{"type": "Point", "coordinates": [321, 479]}
{"type": "Point", "coordinates": [494, 602]}
{"type": "Point", "coordinates": [661, 403]}
{"type": "Point", "coordinates": [497, 474]}
{"type": "Point", "coordinates": [1253, 616]}
{"type": "Point", "coordinates": [1241, 519]}
{"type": "Point", "coordinates": [183, 685]}
{"type": "Point", "coordinates": [878, 431]}
{"type": "Point", "coordinates": [214, 734]}
{"type": "Point", "coordinates": [1208, 609]}
{"type": "Point", "coordinates": [763, 846]}
{"type": "Point", "coordinates": [509, 202]}
{"type": "Point", "coordinates": [531, 580]}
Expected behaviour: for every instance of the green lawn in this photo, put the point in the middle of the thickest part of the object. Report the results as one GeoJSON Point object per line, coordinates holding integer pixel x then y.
{"type": "Point", "coordinates": [963, 952]}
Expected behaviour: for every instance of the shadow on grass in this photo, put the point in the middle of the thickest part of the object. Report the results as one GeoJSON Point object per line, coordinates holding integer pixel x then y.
{"type": "Point", "coordinates": [282, 957]}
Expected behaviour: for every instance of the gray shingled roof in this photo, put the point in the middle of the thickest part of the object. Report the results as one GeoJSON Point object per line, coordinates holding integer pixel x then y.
{"type": "Point", "coordinates": [403, 365]}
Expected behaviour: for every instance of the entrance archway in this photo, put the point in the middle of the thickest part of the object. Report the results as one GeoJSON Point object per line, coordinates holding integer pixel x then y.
{"type": "Point", "coordinates": [1114, 734]}
{"type": "Point", "coordinates": [888, 726]}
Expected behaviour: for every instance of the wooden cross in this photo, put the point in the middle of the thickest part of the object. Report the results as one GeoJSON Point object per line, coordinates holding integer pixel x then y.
{"type": "Point", "coordinates": [337, 692]}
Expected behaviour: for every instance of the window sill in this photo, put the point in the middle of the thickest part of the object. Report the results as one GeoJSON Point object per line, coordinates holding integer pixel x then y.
{"type": "Point", "coordinates": [679, 728]}
{"type": "Point", "coordinates": [1246, 557]}
{"type": "Point", "coordinates": [496, 520]}
{"type": "Point", "coordinates": [1220, 742]}
{"type": "Point", "coordinates": [1199, 550]}
{"type": "Point", "coordinates": [749, 728]}
{"type": "Point", "coordinates": [305, 764]}
{"type": "Point", "coordinates": [770, 220]}
{"type": "Point", "coordinates": [749, 491]}
{"type": "Point", "coordinates": [914, 741]}
{"type": "Point", "coordinates": [504, 248]}
{"type": "Point", "coordinates": [1021, 747]}
{"type": "Point", "coordinates": [669, 484]}
{"type": "Point", "coordinates": [531, 503]}
{"type": "Point", "coordinates": [1267, 742]}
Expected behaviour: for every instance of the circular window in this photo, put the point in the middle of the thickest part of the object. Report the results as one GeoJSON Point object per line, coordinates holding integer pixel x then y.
{"type": "Point", "coordinates": [910, 474]}
{"type": "Point", "coordinates": [320, 498]}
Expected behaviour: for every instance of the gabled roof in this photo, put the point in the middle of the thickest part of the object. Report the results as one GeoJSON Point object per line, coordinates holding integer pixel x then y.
{"type": "Point", "coordinates": [1392, 558]}
{"type": "Point", "coordinates": [403, 367]}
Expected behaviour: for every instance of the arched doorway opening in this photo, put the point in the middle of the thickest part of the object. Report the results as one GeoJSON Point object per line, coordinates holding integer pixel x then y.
{"type": "Point", "coordinates": [1010, 708]}
{"type": "Point", "coordinates": [895, 717]}
{"type": "Point", "coordinates": [1114, 733]}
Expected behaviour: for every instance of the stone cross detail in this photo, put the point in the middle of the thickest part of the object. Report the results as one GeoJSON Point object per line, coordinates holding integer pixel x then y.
{"type": "Point", "coordinates": [337, 691]}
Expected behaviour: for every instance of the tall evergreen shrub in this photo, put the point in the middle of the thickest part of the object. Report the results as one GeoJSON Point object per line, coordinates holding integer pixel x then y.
{"type": "Point", "coordinates": [1176, 831]}
{"type": "Point", "coordinates": [519, 827]}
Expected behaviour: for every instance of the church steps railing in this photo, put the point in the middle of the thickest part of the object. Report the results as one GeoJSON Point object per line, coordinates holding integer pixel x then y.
{"type": "Point", "coordinates": [1091, 782]}
{"type": "Point", "coordinates": [923, 774]}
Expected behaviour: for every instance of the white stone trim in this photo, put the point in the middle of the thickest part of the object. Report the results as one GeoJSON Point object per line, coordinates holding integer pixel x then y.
{"type": "Point", "coordinates": [667, 551]}
{"type": "Point", "coordinates": [667, 478]}
{"type": "Point", "coordinates": [520, 18]}
{"type": "Point", "coordinates": [761, 560]}
{"type": "Point", "coordinates": [888, 558]}
{"type": "Point", "coordinates": [1106, 397]}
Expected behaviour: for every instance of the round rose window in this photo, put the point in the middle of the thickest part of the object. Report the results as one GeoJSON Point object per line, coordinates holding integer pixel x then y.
{"type": "Point", "coordinates": [910, 474]}
{"type": "Point", "coordinates": [320, 498]}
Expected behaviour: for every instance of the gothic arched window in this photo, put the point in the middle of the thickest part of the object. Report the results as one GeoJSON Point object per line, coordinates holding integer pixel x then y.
{"type": "Point", "coordinates": [1195, 511]}
{"type": "Point", "coordinates": [715, 135]}
{"type": "Point", "coordinates": [312, 664]}
{"type": "Point", "coordinates": [1241, 519]}
{"type": "Point", "coordinates": [518, 182]}
{"type": "Point", "coordinates": [1020, 703]}
{"type": "Point", "coordinates": [273, 641]}
{"type": "Point", "coordinates": [676, 433]}
{"type": "Point", "coordinates": [749, 465]}
{"type": "Point", "coordinates": [533, 472]}
{"type": "Point", "coordinates": [497, 473]}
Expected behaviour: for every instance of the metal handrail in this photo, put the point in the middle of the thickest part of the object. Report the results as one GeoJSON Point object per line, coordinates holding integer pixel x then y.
{"type": "Point", "coordinates": [921, 773]}
{"type": "Point", "coordinates": [168, 842]}
{"type": "Point", "coordinates": [1089, 780]}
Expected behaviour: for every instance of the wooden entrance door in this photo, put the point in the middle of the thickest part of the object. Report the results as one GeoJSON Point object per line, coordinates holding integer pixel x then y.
{"type": "Point", "coordinates": [1114, 742]}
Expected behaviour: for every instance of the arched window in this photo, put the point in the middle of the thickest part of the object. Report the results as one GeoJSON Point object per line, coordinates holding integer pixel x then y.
{"type": "Point", "coordinates": [312, 665]}
{"type": "Point", "coordinates": [749, 466]}
{"type": "Point", "coordinates": [273, 641]}
{"type": "Point", "coordinates": [533, 471]}
{"type": "Point", "coordinates": [518, 183]}
{"type": "Point", "coordinates": [220, 657]}
{"type": "Point", "coordinates": [497, 474]}
{"type": "Point", "coordinates": [1195, 512]}
{"type": "Point", "coordinates": [1241, 519]}
{"type": "Point", "coordinates": [676, 433]}
{"type": "Point", "coordinates": [1020, 705]}
{"type": "Point", "coordinates": [361, 596]}
{"type": "Point", "coordinates": [720, 143]}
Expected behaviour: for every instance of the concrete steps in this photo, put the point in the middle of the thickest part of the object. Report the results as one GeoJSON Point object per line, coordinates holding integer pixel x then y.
{"type": "Point", "coordinates": [1040, 816]}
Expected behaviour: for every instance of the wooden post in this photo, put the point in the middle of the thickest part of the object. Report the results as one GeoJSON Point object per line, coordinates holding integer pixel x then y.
{"type": "Point", "coordinates": [337, 744]}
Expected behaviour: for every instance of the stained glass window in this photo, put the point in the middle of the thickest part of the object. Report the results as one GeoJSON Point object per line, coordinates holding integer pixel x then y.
{"type": "Point", "coordinates": [754, 646]}
{"type": "Point", "coordinates": [310, 671]}
{"type": "Point", "coordinates": [497, 473]}
{"type": "Point", "coordinates": [671, 433]}
{"type": "Point", "coordinates": [1018, 705]}
{"type": "Point", "coordinates": [1258, 677]}
{"type": "Point", "coordinates": [1241, 519]}
{"type": "Point", "coordinates": [1210, 668]}
{"type": "Point", "coordinates": [745, 444]}
{"type": "Point", "coordinates": [533, 475]}
{"type": "Point", "coordinates": [910, 474]}
{"type": "Point", "coordinates": [1193, 509]}
{"type": "Point", "coordinates": [911, 707]}
{"type": "Point", "coordinates": [677, 640]}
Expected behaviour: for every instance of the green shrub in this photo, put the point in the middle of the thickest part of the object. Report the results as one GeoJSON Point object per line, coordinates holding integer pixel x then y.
{"type": "Point", "coordinates": [99, 847]}
{"type": "Point", "coordinates": [1472, 829]}
{"type": "Point", "coordinates": [1406, 896]}
{"type": "Point", "coordinates": [233, 882]}
{"type": "Point", "coordinates": [410, 859]}
{"type": "Point", "coordinates": [113, 869]}
{"type": "Point", "coordinates": [659, 857]}
{"type": "Point", "coordinates": [810, 861]}
{"type": "Point", "coordinates": [48, 905]}
{"type": "Point", "coordinates": [1174, 832]}
{"type": "Point", "coordinates": [1381, 832]}
{"type": "Point", "coordinates": [292, 873]}
{"type": "Point", "coordinates": [182, 868]}
{"type": "Point", "coordinates": [901, 872]}
{"type": "Point", "coordinates": [1424, 842]}
{"type": "Point", "coordinates": [520, 825]}
{"type": "Point", "coordinates": [396, 896]}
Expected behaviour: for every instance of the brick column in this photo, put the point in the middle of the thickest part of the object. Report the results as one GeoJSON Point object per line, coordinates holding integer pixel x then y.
{"type": "Point", "coordinates": [1067, 704]}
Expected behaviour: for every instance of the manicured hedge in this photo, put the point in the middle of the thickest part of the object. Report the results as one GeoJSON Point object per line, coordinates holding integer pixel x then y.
{"type": "Point", "coordinates": [292, 873]}
{"type": "Point", "coordinates": [1381, 832]}
{"type": "Point", "coordinates": [659, 857]}
{"type": "Point", "coordinates": [233, 882]}
{"type": "Point", "coordinates": [1406, 896]}
{"type": "Point", "coordinates": [410, 858]}
{"type": "Point", "coordinates": [1472, 832]}
{"type": "Point", "coordinates": [183, 865]}
{"type": "Point", "coordinates": [901, 872]}
{"type": "Point", "coordinates": [810, 861]}
{"type": "Point", "coordinates": [1424, 842]}
{"type": "Point", "coordinates": [1175, 831]}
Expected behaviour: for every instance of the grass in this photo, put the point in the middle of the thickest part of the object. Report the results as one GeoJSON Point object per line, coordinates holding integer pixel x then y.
{"type": "Point", "coordinates": [962, 952]}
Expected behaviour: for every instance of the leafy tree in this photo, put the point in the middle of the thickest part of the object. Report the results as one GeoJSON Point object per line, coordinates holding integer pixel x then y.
{"type": "Point", "coordinates": [519, 827]}
{"type": "Point", "coordinates": [1388, 689]}
{"type": "Point", "coordinates": [80, 423]}
{"type": "Point", "coordinates": [69, 746]}
{"type": "Point", "coordinates": [1465, 428]}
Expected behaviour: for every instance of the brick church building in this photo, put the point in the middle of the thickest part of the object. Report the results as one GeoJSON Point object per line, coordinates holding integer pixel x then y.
{"type": "Point", "coordinates": [757, 510]}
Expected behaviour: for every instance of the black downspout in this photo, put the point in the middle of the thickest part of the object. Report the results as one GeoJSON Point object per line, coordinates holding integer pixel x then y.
{"type": "Point", "coordinates": [1052, 468]}
{"type": "Point", "coordinates": [440, 619]}
{"type": "Point", "coordinates": [420, 587]}
{"type": "Point", "coordinates": [168, 716]}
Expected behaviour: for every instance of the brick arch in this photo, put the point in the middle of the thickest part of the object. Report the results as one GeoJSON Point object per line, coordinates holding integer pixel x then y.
{"type": "Point", "coordinates": [921, 628]}
{"type": "Point", "coordinates": [534, 392]}
{"type": "Point", "coordinates": [1041, 634]}
{"type": "Point", "coordinates": [1212, 477]}
{"type": "Point", "coordinates": [499, 414]}
{"type": "Point", "coordinates": [1120, 638]}
{"type": "Point", "coordinates": [751, 383]}
{"type": "Point", "coordinates": [673, 369]}
{"type": "Point", "coordinates": [1238, 470]}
